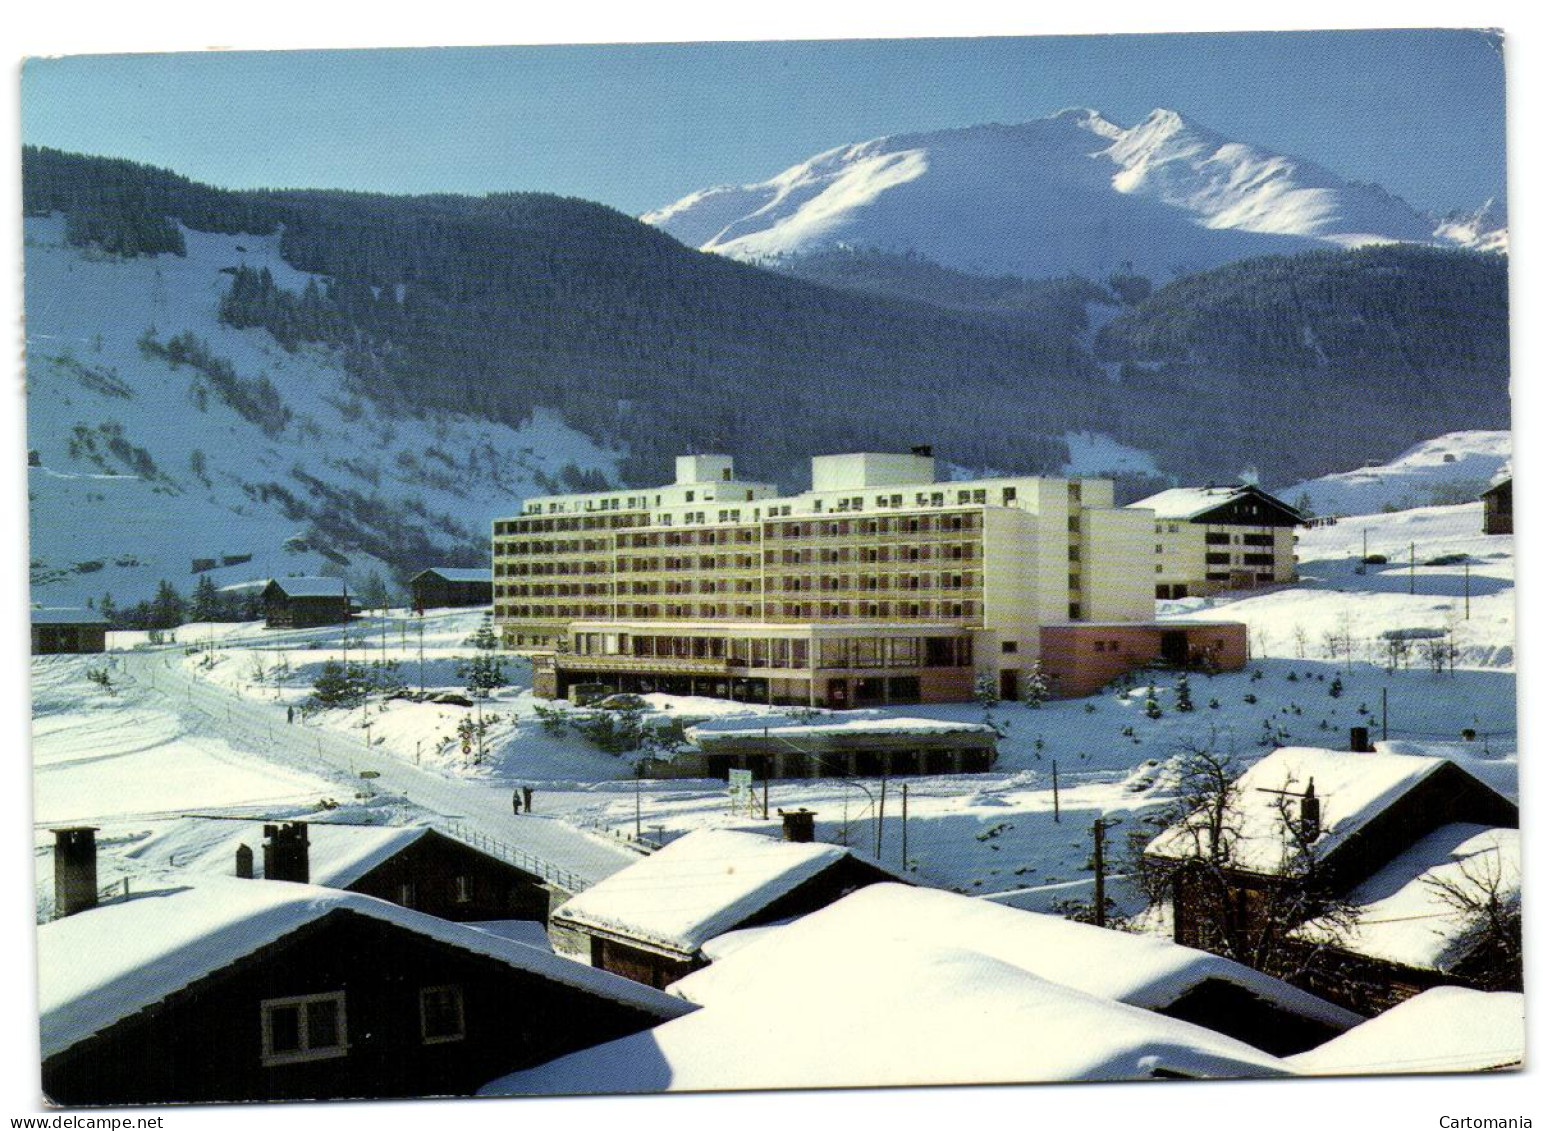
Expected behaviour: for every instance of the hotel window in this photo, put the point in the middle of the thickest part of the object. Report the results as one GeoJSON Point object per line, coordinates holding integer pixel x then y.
{"type": "Point", "coordinates": [1009, 494]}
{"type": "Point", "coordinates": [1009, 647]}
{"type": "Point", "coordinates": [309, 1027]}
{"type": "Point", "coordinates": [442, 1014]}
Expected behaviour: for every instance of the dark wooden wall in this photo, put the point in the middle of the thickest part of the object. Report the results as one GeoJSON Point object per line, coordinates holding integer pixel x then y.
{"type": "Point", "coordinates": [205, 1044]}
{"type": "Point", "coordinates": [433, 864]}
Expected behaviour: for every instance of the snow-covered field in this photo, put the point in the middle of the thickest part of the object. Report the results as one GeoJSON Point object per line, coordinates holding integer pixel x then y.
{"type": "Point", "coordinates": [1449, 469]}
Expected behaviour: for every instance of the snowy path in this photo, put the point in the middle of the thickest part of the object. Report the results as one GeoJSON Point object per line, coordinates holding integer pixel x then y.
{"type": "Point", "coordinates": [261, 729]}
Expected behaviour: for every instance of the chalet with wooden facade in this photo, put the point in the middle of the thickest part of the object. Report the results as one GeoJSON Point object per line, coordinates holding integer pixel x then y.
{"type": "Point", "coordinates": [1410, 933]}
{"type": "Point", "coordinates": [445, 588]}
{"type": "Point", "coordinates": [1355, 812]}
{"type": "Point", "coordinates": [413, 866]}
{"type": "Point", "coordinates": [307, 602]}
{"type": "Point", "coordinates": [649, 921]}
{"type": "Point", "coordinates": [65, 631]}
{"type": "Point", "coordinates": [892, 985]}
{"type": "Point", "coordinates": [227, 990]}
{"type": "Point", "coordinates": [1209, 539]}
{"type": "Point", "coordinates": [1497, 508]}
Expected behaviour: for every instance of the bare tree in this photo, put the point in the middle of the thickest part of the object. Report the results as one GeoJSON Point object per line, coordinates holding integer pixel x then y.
{"type": "Point", "coordinates": [1490, 905]}
{"type": "Point", "coordinates": [1240, 907]}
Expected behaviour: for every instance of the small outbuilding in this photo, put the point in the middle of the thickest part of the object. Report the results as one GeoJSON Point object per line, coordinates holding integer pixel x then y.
{"type": "Point", "coordinates": [649, 921]}
{"type": "Point", "coordinates": [307, 602]}
{"type": "Point", "coordinates": [445, 588]}
{"type": "Point", "coordinates": [1497, 508]}
{"type": "Point", "coordinates": [854, 743]}
{"type": "Point", "coordinates": [65, 631]}
{"type": "Point", "coordinates": [227, 990]}
{"type": "Point", "coordinates": [1080, 657]}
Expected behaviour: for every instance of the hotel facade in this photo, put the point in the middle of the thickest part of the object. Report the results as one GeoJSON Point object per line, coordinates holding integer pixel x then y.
{"type": "Point", "coordinates": [878, 585]}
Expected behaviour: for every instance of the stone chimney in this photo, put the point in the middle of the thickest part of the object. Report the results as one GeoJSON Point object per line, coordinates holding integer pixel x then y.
{"type": "Point", "coordinates": [244, 862]}
{"type": "Point", "coordinates": [797, 825]}
{"type": "Point", "coordinates": [1361, 741]}
{"type": "Point", "coordinates": [287, 852]}
{"type": "Point", "coordinates": [74, 870]}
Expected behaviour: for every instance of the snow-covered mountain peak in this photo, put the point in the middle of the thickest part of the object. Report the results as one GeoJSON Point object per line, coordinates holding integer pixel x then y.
{"type": "Point", "coordinates": [1071, 192]}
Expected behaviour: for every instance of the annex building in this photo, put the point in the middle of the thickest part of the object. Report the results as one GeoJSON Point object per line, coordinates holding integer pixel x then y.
{"type": "Point", "coordinates": [1210, 539]}
{"type": "Point", "coordinates": [878, 585]}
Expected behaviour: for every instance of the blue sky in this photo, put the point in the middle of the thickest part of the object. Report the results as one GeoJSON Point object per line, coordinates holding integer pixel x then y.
{"type": "Point", "coordinates": [637, 126]}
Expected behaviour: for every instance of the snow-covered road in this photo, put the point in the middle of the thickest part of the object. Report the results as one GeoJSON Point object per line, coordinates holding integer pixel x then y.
{"type": "Point", "coordinates": [262, 730]}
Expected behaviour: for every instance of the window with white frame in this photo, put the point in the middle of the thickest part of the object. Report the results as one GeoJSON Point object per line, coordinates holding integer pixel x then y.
{"type": "Point", "coordinates": [308, 1027]}
{"type": "Point", "coordinates": [442, 1013]}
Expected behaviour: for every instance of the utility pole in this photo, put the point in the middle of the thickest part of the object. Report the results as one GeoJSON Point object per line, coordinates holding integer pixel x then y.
{"type": "Point", "coordinates": [345, 627]}
{"type": "Point", "coordinates": [1411, 569]}
{"type": "Point", "coordinates": [1384, 714]}
{"type": "Point", "coordinates": [1098, 871]}
{"type": "Point", "coordinates": [905, 813]}
{"type": "Point", "coordinates": [1467, 594]}
{"type": "Point", "coordinates": [878, 843]}
{"type": "Point", "coordinates": [1055, 789]}
{"type": "Point", "coordinates": [420, 654]}
{"type": "Point", "coordinates": [637, 812]}
{"type": "Point", "coordinates": [1364, 552]}
{"type": "Point", "coordinates": [765, 798]}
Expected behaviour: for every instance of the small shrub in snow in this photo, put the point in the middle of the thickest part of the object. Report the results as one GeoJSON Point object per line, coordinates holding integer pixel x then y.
{"type": "Point", "coordinates": [1250, 698]}
{"type": "Point", "coordinates": [1182, 700]}
{"type": "Point", "coordinates": [1151, 706]}
{"type": "Point", "coordinates": [1337, 688]}
{"type": "Point", "coordinates": [1215, 705]}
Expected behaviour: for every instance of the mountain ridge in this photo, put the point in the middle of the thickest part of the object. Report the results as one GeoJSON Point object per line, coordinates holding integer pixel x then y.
{"type": "Point", "coordinates": [1070, 193]}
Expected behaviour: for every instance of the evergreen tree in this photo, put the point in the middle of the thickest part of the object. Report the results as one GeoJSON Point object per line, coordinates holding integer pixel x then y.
{"type": "Point", "coordinates": [108, 609]}
{"type": "Point", "coordinates": [1037, 687]}
{"type": "Point", "coordinates": [1153, 709]}
{"type": "Point", "coordinates": [207, 604]}
{"type": "Point", "coordinates": [1182, 701]}
{"type": "Point", "coordinates": [168, 609]}
{"type": "Point", "coordinates": [374, 594]}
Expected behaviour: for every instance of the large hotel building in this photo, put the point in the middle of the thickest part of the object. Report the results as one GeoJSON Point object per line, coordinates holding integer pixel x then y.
{"type": "Point", "coordinates": [878, 585]}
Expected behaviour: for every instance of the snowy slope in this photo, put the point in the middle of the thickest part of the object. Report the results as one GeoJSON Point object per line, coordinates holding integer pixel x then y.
{"type": "Point", "coordinates": [1484, 229]}
{"type": "Point", "coordinates": [1074, 192]}
{"type": "Point", "coordinates": [1449, 469]}
{"type": "Point", "coordinates": [144, 467]}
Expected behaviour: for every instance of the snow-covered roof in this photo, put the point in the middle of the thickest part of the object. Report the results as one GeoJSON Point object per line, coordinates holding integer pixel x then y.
{"type": "Point", "coordinates": [340, 855]}
{"type": "Point", "coordinates": [99, 966]}
{"type": "Point", "coordinates": [458, 574]}
{"type": "Point", "coordinates": [707, 882]}
{"type": "Point", "coordinates": [1352, 788]}
{"type": "Point", "coordinates": [68, 616]}
{"type": "Point", "coordinates": [1139, 970]}
{"type": "Point", "coordinates": [1191, 502]}
{"type": "Point", "coordinates": [312, 586]}
{"type": "Point", "coordinates": [1446, 1029]}
{"type": "Point", "coordinates": [853, 722]}
{"type": "Point", "coordinates": [527, 931]}
{"type": "Point", "coordinates": [1404, 917]}
{"type": "Point", "coordinates": [888, 1012]}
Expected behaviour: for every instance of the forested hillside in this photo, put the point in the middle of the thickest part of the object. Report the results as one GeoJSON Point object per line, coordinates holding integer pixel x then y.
{"type": "Point", "coordinates": [499, 305]}
{"type": "Point", "coordinates": [1380, 347]}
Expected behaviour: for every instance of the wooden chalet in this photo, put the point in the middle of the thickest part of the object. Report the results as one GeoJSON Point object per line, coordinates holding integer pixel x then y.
{"type": "Point", "coordinates": [1497, 508]}
{"type": "Point", "coordinates": [1408, 936]}
{"type": "Point", "coordinates": [413, 866]}
{"type": "Point", "coordinates": [718, 881]}
{"type": "Point", "coordinates": [444, 588]}
{"type": "Point", "coordinates": [1355, 811]}
{"type": "Point", "coordinates": [228, 990]}
{"type": "Point", "coordinates": [307, 602]}
{"type": "Point", "coordinates": [66, 631]}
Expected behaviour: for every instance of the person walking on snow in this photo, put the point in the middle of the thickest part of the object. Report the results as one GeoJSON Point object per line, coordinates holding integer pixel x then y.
{"type": "Point", "coordinates": [291, 714]}
{"type": "Point", "coordinates": [515, 798]}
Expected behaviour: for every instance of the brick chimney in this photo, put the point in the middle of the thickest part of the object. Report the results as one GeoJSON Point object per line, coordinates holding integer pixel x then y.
{"type": "Point", "coordinates": [287, 852]}
{"type": "Point", "coordinates": [797, 825]}
{"type": "Point", "coordinates": [74, 870]}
